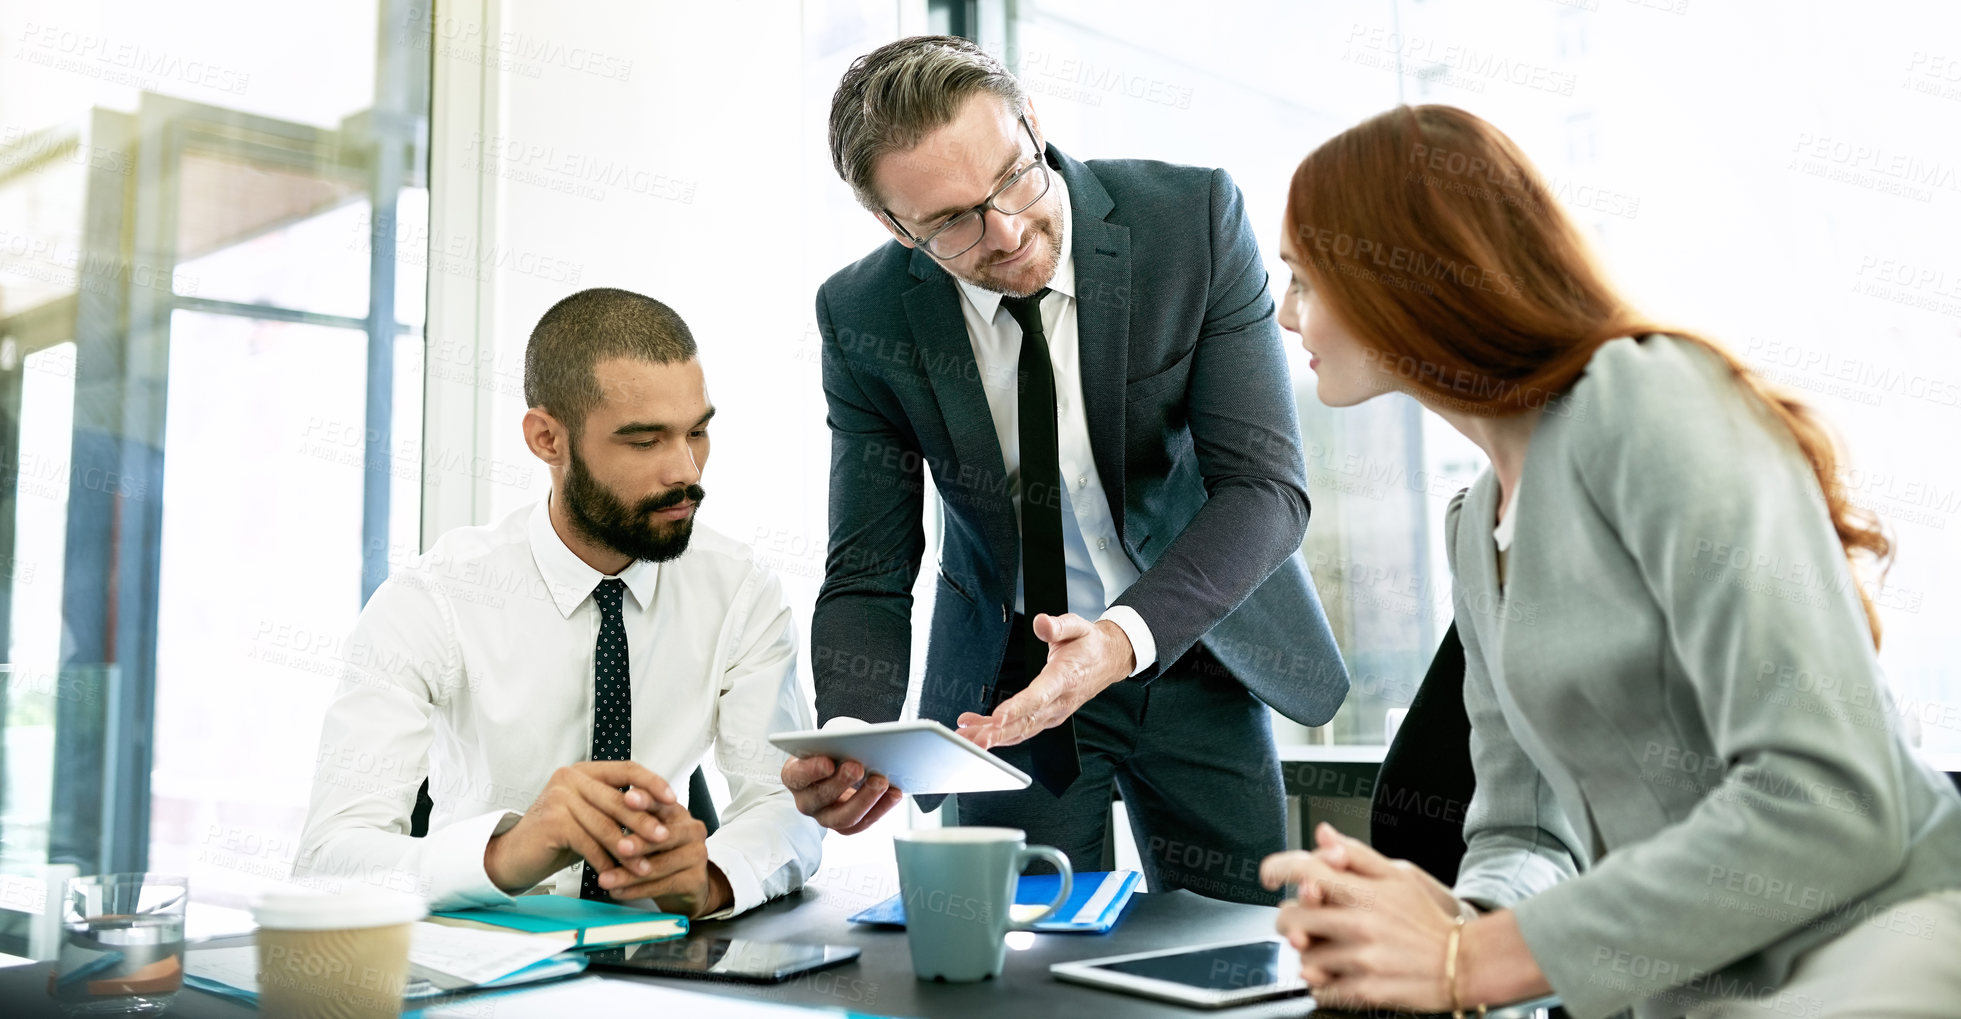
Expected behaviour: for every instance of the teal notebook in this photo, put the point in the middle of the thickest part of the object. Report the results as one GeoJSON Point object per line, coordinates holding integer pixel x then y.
{"type": "Point", "coordinates": [577, 922]}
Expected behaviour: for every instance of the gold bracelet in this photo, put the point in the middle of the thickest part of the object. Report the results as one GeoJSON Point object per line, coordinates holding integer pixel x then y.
{"type": "Point", "coordinates": [1450, 967]}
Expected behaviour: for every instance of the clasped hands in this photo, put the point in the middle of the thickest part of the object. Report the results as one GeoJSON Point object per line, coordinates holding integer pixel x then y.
{"type": "Point", "coordinates": [662, 855]}
{"type": "Point", "coordinates": [1371, 931]}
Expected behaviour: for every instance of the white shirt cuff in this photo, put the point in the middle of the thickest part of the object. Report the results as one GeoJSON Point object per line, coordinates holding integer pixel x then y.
{"type": "Point", "coordinates": [1141, 642]}
{"type": "Point", "coordinates": [745, 891]}
{"type": "Point", "coordinates": [457, 879]}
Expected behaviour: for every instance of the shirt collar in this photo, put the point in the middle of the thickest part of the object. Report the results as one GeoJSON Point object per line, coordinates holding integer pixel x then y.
{"type": "Point", "coordinates": [987, 302]}
{"type": "Point", "coordinates": [570, 580]}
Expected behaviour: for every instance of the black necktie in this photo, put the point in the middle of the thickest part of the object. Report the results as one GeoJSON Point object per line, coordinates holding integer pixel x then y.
{"type": "Point", "coordinates": [612, 700]}
{"type": "Point", "coordinates": [1044, 581]}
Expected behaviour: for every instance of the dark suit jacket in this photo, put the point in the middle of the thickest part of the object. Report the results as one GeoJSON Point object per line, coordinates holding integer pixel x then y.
{"type": "Point", "coordinates": [1192, 427]}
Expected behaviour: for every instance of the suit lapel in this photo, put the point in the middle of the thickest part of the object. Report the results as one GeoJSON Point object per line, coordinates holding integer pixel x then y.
{"type": "Point", "coordinates": [947, 358]}
{"type": "Point", "coordinates": [1101, 253]}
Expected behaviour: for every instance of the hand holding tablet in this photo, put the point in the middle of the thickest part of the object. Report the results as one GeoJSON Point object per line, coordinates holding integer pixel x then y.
{"type": "Point", "coordinates": [921, 757]}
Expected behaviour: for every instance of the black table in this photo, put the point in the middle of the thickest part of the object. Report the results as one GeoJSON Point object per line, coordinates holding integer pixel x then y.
{"type": "Point", "coordinates": [880, 981]}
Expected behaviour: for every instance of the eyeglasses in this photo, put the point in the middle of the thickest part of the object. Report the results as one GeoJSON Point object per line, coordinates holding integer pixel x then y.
{"type": "Point", "coordinates": [1013, 197]}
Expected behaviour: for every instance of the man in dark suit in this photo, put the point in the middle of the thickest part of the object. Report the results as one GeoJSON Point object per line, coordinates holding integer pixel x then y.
{"type": "Point", "coordinates": [1084, 358]}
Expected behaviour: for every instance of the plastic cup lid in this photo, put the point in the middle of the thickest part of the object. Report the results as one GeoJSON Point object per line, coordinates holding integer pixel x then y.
{"type": "Point", "coordinates": [312, 911]}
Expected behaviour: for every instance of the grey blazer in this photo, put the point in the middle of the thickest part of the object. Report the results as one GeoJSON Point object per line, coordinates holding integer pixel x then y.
{"type": "Point", "coordinates": [1687, 768]}
{"type": "Point", "coordinates": [1192, 426]}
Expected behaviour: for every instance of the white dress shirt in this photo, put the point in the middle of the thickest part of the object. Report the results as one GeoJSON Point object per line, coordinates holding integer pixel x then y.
{"type": "Point", "coordinates": [473, 665]}
{"type": "Point", "coordinates": [1097, 568]}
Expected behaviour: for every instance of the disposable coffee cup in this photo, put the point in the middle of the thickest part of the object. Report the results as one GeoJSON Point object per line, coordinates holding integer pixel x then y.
{"type": "Point", "coordinates": [335, 956]}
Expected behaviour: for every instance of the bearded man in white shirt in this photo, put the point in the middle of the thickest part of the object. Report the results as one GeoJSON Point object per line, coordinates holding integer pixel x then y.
{"type": "Point", "coordinates": [558, 675]}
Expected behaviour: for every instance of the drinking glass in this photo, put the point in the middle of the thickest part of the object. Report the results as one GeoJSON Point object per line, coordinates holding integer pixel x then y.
{"type": "Point", "coordinates": [122, 944]}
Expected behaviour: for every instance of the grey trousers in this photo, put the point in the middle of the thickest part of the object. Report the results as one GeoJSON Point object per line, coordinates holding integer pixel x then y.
{"type": "Point", "coordinates": [1192, 753]}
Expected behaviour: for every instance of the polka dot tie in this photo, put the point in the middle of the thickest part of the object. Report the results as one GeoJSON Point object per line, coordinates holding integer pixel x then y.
{"type": "Point", "coordinates": [612, 700]}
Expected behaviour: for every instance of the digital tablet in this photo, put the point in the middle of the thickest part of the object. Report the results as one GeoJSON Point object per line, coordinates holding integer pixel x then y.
{"type": "Point", "coordinates": [758, 962]}
{"type": "Point", "coordinates": [1223, 974]}
{"type": "Point", "coordinates": [920, 757]}
{"type": "Point", "coordinates": [1208, 976]}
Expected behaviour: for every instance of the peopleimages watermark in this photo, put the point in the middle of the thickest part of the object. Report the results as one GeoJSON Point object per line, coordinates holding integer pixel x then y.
{"type": "Point", "coordinates": [120, 62]}
{"type": "Point", "coordinates": [1711, 774]}
{"type": "Point", "coordinates": [1861, 379]}
{"type": "Point", "coordinates": [1934, 74]}
{"type": "Point", "coordinates": [351, 443]}
{"type": "Point", "coordinates": [1092, 81]}
{"type": "Point", "coordinates": [1857, 700]}
{"type": "Point", "coordinates": [1457, 64]}
{"type": "Point", "coordinates": [21, 147]}
{"type": "Point", "coordinates": [572, 172]}
{"type": "Point", "coordinates": [68, 266]}
{"type": "Point", "coordinates": [792, 553]}
{"type": "Point", "coordinates": [1406, 593]}
{"type": "Point", "coordinates": [465, 256]}
{"type": "Point", "coordinates": [1810, 906]}
{"type": "Point", "coordinates": [1477, 177]}
{"type": "Point", "coordinates": [1207, 869]}
{"type": "Point", "coordinates": [40, 476]}
{"type": "Point", "coordinates": [1770, 572]}
{"type": "Point", "coordinates": [1400, 259]}
{"type": "Point", "coordinates": [1900, 499]}
{"type": "Point", "coordinates": [1429, 74]}
{"type": "Point", "coordinates": [1371, 477]}
{"type": "Point", "coordinates": [1872, 167]}
{"type": "Point", "coordinates": [1473, 388]}
{"type": "Point", "coordinates": [512, 51]}
{"type": "Point", "coordinates": [78, 687]}
{"type": "Point", "coordinates": [1677, 984]}
{"type": "Point", "coordinates": [1913, 284]}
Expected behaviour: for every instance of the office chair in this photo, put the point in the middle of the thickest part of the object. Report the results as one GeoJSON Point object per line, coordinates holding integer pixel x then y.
{"type": "Point", "coordinates": [1425, 783]}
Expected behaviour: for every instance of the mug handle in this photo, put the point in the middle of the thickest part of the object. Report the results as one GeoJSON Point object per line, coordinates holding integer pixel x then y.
{"type": "Point", "coordinates": [1061, 864]}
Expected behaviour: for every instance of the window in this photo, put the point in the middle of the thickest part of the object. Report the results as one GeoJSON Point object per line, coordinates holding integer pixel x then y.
{"type": "Point", "coordinates": [211, 370]}
{"type": "Point", "coordinates": [1810, 234]}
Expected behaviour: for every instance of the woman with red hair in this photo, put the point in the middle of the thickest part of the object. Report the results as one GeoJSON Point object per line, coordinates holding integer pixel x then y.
{"type": "Point", "coordinates": [1690, 794]}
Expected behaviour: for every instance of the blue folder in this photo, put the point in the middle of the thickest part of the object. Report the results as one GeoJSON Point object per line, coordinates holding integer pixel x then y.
{"type": "Point", "coordinates": [1094, 905]}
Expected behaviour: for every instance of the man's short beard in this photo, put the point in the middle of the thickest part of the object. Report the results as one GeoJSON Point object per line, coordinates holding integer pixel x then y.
{"type": "Point", "coordinates": [1049, 229]}
{"type": "Point", "coordinates": [604, 519]}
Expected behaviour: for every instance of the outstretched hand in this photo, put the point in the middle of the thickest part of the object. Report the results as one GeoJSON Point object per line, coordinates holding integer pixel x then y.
{"type": "Point", "coordinates": [1084, 659]}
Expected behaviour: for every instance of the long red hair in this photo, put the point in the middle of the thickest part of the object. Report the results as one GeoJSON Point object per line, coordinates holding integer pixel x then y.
{"type": "Point", "coordinates": [1421, 228]}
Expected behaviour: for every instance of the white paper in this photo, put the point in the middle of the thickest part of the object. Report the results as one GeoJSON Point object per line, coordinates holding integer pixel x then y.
{"type": "Point", "coordinates": [599, 996]}
{"type": "Point", "coordinates": [1106, 893]}
{"type": "Point", "coordinates": [235, 967]}
{"type": "Point", "coordinates": [473, 955]}
{"type": "Point", "coordinates": [476, 955]}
